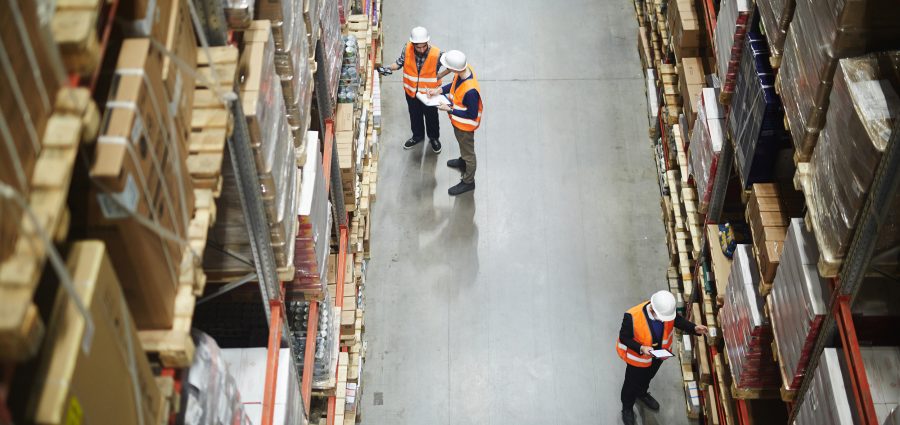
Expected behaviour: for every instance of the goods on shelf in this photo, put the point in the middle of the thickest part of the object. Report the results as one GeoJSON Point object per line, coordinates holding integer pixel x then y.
{"type": "Point", "coordinates": [652, 103]}
{"type": "Point", "coordinates": [690, 83]}
{"type": "Point", "coordinates": [748, 336]}
{"type": "Point", "coordinates": [706, 144]}
{"type": "Point", "coordinates": [820, 34]}
{"type": "Point", "coordinates": [210, 393]}
{"type": "Point", "coordinates": [882, 364]}
{"type": "Point", "coordinates": [271, 139]}
{"type": "Point", "coordinates": [179, 79]}
{"type": "Point", "coordinates": [292, 65]}
{"type": "Point", "coordinates": [775, 16]}
{"type": "Point", "coordinates": [731, 28]}
{"type": "Point", "coordinates": [684, 27]}
{"type": "Point", "coordinates": [865, 105]}
{"type": "Point", "coordinates": [768, 223]}
{"type": "Point", "coordinates": [325, 339]}
{"type": "Point", "coordinates": [73, 359]}
{"type": "Point", "coordinates": [313, 240]}
{"type": "Point", "coordinates": [348, 85]}
{"type": "Point", "coordinates": [827, 401]}
{"type": "Point", "coordinates": [153, 184]}
{"type": "Point", "coordinates": [756, 119]}
{"type": "Point", "coordinates": [797, 304]}
{"type": "Point", "coordinates": [29, 86]}
{"type": "Point", "coordinates": [332, 47]}
{"type": "Point", "coordinates": [247, 366]}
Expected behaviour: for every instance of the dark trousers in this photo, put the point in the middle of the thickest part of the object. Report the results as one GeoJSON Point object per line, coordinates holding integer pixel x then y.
{"type": "Point", "coordinates": [421, 116]}
{"type": "Point", "coordinates": [637, 381]}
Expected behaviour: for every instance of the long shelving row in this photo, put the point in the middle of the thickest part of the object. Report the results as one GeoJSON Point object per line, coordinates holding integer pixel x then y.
{"type": "Point", "coordinates": [778, 180]}
{"type": "Point", "coordinates": [208, 168]}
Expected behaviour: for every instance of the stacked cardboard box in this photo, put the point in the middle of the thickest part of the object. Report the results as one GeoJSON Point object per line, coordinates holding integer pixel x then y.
{"type": "Point", "coordinates": [731, 28]}
{"type": "Point", "coordinates": [271, 139]}
{"type": "Point", "coordinates": [768, 224]}
{"type": "Point", "coordinates": [140, 170]}
{"type": "Point", "coordinates": [684, 27]}
{"type": "Point", "coordinates": [820, 34]}
{"type": "Point", "coordinates": [179, 79]}
{"type": "Point", "coordinates": [69, 372]}
{"type": "Point", "coordinates": [798, 304]}
{"type": "Point", "coordinates": [756, 120]}
{"type": "Point", "coordinates": [748, 335]}
{"type": "Point", "coordinates": [865, 104]}
{"type": "Point", "coordinates": [29, 86]}
{"type": "Point", "coordinates": [691, 80]}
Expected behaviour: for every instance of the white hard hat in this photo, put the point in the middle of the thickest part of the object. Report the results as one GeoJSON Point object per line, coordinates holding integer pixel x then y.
{"type": "Point", "coordinates": [419, 35]}
{"type": "Point", "coordinates": [663, 303]}
{"type": "Point", "coordinates": [454, 60]}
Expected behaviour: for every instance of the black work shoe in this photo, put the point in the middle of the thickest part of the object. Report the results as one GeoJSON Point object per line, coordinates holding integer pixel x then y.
{"type": "Point", "coordinates": [412, 142]}
{"type": "Point", "coordinates": [650, 402]}
{"type": "Point", "coordinates": [461, 188]}
{"type": "Point", "coordinates": [435, 145]}
{"type": "Point", "coordinates": [457, 163]}
{"type": "Point", "coordinates": [628, 417]}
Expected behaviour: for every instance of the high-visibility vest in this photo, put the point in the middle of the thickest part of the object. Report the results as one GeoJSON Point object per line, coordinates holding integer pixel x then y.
{"type": "Point", "coordinates": [457, 94]}
{"type": "Point", "coordinates": [644, 336]}
{"type": "Point", "coordinates": [415, 80]}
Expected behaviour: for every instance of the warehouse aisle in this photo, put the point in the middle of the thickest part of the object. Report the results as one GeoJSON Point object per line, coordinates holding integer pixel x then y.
{"type": "Point", "coordinates": [503, 307]}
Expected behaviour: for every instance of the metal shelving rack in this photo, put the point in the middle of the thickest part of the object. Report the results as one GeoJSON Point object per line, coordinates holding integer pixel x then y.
{"type": "Point", "coordinates": [847, 285]}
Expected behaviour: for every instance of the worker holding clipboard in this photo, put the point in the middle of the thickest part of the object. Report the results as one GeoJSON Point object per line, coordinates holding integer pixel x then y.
{"type": "Point", "coordinates": [645, 341]}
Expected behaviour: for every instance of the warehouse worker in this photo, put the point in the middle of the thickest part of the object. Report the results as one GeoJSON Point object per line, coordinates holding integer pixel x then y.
{"type": "Point", "coordinates": [419, 76]}
{"type": "Point", "coordinates": [465, 115]}
{"type": "Point", "coordinates": [647, 327]}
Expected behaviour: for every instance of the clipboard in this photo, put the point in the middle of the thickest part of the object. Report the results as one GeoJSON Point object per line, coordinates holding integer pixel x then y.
{"type": "Point", "coordinates": [434, 100]}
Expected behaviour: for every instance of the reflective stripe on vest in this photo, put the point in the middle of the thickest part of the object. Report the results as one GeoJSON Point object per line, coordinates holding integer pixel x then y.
{"type": "Point", "coordinates": [415, 80]}
{"type": "Point", "coordinates": [644, 336]}
{"type": "Point", "coordinates": [457, 95]}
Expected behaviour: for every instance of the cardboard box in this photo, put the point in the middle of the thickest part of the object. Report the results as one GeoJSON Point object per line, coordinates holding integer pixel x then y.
{"type": "Point", "coordinates": [180, 84]}
{"type": "Point", "coordinates": [690, 82]}
{"type": "Point", "coordinates": [135, 164]}
{"type": "Point", "coordinates": [97, 385]}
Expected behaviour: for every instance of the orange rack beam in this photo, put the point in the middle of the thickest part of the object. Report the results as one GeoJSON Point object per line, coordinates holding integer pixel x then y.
{"type": "Point", "coordinates": [272, 362]}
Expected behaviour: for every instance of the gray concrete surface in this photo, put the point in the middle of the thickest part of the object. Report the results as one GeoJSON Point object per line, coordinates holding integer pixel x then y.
{"type": "Point", "coordinates": [503, 306]}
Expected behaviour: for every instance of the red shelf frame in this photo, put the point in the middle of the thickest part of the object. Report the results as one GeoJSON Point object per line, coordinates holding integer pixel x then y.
{"type": "Point", "coordinates": [859, 381]}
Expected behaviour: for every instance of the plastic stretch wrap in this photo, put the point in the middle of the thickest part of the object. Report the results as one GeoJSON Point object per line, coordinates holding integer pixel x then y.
{"type": "Point", "coordinates": [798, 303]}
{"type": "Point", "coordinates": [210, 394]}
{"type": "Point", "coordinates": [248, 365]}
{"type": "Point", "coordinates": [312, 15]}
{"type": "Point", "coordinates": [864, 106]}
{"type": "Point", "coordinates": [706, 143]}
{"type": "Point", "coordinates": [327, 337]}
{"type": "Point", "coordinates": [756, 118]}
{"type": "Point", "coordinates": [882, 366]}
{"type": "Point", "coordinates": [332, 45]}
{"type": "Point", "coordinates": [296, 79]}
{"type": "Point", "coordinates": [731, 28]}
{"type": "Point", "coordinates": [311, 255]}
{"type": "Point", "coordinates": [826, 402]}
{"type": "Point", "coordinates": [776, 16]}
{"type": "Point", "coordinates": [748, 336]}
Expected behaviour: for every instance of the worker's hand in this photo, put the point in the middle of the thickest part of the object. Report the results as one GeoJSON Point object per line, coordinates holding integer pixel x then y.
{"type": "Point", "coordinates": [433, 92]}
{"type": "Point", "coordinates": [445, 108]}
{"type": "Point", "coordinates": [383, 70]}
{"type": "Point", "coordinates": [645, 350]}
{"type": "Point", "coordinates": [701, 330]}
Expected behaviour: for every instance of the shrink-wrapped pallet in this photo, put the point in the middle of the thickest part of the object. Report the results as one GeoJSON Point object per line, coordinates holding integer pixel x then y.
{"type": "Point", "coordinates": [864, 108]}
{"type": "Point", "coordinates": [757, 118]}
{"type": "Point", "coordinates": [826, 401]}
{"type": "Point", "coordinates": [821, 32]}
{"type": "Point", "coordinates": [747, 333]}
{"type": "Point", "coordinates": [313, 239]}
{"type": "Point", "coordinates": [731, 28]}
{"type": "Point", "coordinates": [798, 303]}
{"type": "Point", "coordinates": [706, 144]}
{"type": "Point", "coordinates": [210, 395]}
{"type": "Point", "coordinates": [332, 46]}
{"type": "Point", "coordinates": [775, 17]}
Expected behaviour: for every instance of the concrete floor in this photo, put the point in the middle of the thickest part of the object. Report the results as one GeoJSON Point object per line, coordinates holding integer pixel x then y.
{"type": "Point", "coordinates": [503, 307]}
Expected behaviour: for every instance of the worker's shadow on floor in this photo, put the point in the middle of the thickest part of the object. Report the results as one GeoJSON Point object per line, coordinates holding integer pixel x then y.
{"type": "Point", "coordinates": [424, 183]}
{"type": "Point", "coordinates": [460, 240]}
{"type": "Point", "coordinates": [647, 416]}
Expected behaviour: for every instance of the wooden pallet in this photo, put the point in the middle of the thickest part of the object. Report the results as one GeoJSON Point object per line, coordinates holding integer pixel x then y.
{"type": "Point", "coordinates": [754, 393]}
{"type": "Point", "coordinates": [211, 122]}
{"type": "Point", "coordinates": [21, 328]}
{"type": "Point", "coordinates": [175, 346]}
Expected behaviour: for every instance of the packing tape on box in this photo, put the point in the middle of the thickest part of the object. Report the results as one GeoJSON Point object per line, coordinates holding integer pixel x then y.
{"type": "Point", "coordinates": [56, 262]}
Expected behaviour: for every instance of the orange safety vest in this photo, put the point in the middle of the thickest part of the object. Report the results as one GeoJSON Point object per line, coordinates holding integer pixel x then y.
{"type": "Point", "coordinates": [644, 336]}
{"type": "Point", "coordinates": [415, 80]}
{"type": "Point", "coordinates": [457, 94]}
